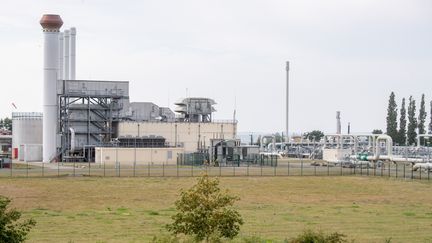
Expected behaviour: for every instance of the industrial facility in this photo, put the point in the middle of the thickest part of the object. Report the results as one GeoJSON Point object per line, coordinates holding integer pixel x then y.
{"type": "Point", "coordinates": [83, 120]}
{"type": "Point", "coordinates": [97, 121]}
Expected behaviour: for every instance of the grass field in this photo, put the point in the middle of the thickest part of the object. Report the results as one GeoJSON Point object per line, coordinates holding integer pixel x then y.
{"type": "Point", "coordinates": [135, 209]}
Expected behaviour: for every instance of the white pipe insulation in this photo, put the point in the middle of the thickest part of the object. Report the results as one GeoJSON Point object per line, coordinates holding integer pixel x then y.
{"type": "Point", "coordinates": [61, 58]}
{"type": "Point", "coordinates": [72, 60]}
{"type": "Point", "coordinates": [66, 55]}
{"type": "Point", "coordinates": [72, 139]}
{"type": "Point", "coordinates": [389, 144]}
{"type": "Point", "coordinates": [422, 136]}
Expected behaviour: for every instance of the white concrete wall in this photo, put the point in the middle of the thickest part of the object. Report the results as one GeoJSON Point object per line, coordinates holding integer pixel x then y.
{"type": "Point", "coordinates": [142, 156]}
{"type": "Point", "coordinates": [189, 135]}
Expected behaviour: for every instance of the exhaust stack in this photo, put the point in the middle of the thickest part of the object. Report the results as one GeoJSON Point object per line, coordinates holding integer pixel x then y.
{"type": "Point", "coordinates": [51, 25]}
{"type": "Point", "coordinates": [72, 53]}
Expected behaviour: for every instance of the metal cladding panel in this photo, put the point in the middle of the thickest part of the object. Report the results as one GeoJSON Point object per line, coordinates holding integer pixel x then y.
{"type": "Point", "coordinates": [93, 88]}
{"type": "Point", "coordinates": [33, 152]}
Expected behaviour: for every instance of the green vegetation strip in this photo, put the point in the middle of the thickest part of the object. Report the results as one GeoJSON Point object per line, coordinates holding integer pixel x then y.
{"type": "Point", "coordinates": [85, 209]}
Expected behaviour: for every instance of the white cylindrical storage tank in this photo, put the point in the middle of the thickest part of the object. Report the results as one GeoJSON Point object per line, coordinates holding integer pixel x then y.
{"type": "Point", "coordinates": [72, 53]}
{"type": "Point", "coordinates": [27, 129]}
{"type": "Point", "coordinates": [51, 27]}
{"type": "Point", "coordinates": [66, 56]}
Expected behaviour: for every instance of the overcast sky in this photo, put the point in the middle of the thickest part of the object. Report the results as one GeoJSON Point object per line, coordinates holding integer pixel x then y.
{"type": "Point", "coordinates": [345, 55]}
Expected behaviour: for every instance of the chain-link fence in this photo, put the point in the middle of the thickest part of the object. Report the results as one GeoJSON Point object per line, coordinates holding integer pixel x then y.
{"type": "Point", "coordinates": [281, 167]}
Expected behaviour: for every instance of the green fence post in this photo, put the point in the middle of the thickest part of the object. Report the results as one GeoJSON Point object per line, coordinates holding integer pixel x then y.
{"type": "Point", "coordinates": [220, 169]}
{"type": "Point", "coordinates": [43, 165]}
{"type": "Point", "coordinates": [396, 170]}
{"type": "Point", "coordinates": [248, 168]}
{"type": "Point", "coordinates": [261, 166]}
{"type": "Point", "coordinates": [11, 168]}
{"type": "Point", "coordinates": [389, 170]}
{"type": "Point", "coordinates": [58, 169]}
{"type": "Point", "coordinates": [148, 169]}
{"type": "Point", "coordinates": [288, 167]}
{"type": "Point", "coordinates": [27, 168]}
{"type": "Point", "coordinates": [104, 167]}
{"type": "Point", "coordinates": [367, 169]}
{"type": "Point", "coordinates": [89, 168]}
{"type": "Point", "coordinates": [74, 169]}
{"type": "Point", "coordinates": [163, 169]}
{"type": "Point", "coordinates": [301, 162]}
{"type": "Point", "coordinates": [412, 171]}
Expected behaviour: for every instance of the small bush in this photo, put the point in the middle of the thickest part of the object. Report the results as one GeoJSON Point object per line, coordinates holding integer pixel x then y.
{"type": "Point", "coordinates": [310, 236]}
{"type": "Point", "coordinates": [12, 231]}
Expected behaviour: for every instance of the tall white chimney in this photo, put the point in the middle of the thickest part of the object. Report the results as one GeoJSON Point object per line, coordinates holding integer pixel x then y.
{"type": "Point", "coordinates": [72, 53]}
{"type": "Point", "coordinates": [61, 43]}
{"type": "Point", "coordinates": [66, 50]}
{"type": "Point", "coordinates": [51, 25]}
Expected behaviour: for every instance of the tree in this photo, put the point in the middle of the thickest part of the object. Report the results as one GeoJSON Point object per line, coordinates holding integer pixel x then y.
{"type": "Point", "coordinates": [278, 138]}
{"type": "Point", "coordinates": [422, 118]}
{"type": "Point", "coordinates": [314, 136]}
{"type": "Point", "coordinates": [205, 212]}
{"type": "Point", "coordinates": [430, 123]}
{"type": "Point", "coordinates": [6, 124]}
{"type": "Point", "coordinates": [10, 230]}
{"type": "Point", "coordinates": [392, 117]}
{"type": "Point", "coordinates": [401, 140]}
{"type": "Point", "coordinates": [412, 122]}
{"type": "Point", "coordinates": [377, 131]}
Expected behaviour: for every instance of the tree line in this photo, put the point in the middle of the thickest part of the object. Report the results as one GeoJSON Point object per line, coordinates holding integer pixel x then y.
{"type": "Point", "coordinates": [404, 129]}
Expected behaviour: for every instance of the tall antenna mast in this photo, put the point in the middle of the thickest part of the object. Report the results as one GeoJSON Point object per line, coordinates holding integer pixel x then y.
{"type": "Point", "coordinates": [287, 102]}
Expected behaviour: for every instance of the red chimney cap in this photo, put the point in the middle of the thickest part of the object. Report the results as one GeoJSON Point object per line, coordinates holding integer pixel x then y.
{"type": "Point", "coordinates": [51, 21]}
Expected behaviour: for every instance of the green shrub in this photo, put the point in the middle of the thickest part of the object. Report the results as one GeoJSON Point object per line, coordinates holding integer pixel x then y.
{"type": "Point", "coordinates": [206, 213]}
{"type": "Point", "coordinates": [310, 236]}
{"type": "Point", "coordinates": [12, 231]}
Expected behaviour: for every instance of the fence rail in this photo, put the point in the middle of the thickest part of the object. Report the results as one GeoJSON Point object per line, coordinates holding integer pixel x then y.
{"type": "Point", "coordinates": [283, 168]}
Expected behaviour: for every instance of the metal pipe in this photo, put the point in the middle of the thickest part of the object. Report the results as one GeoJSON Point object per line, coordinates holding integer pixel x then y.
{"type": "Point", "coordinates": [72, 57]}
{"type": "Point", "coordinates": [72, 140]}
{"type": "Point", "coordinates": [61, 60]}
{"type": "Point", "coordinates": [51, 25]}
{"type": "Point", "coordinates": [287, 103]}
{"type": "Point", "coordinates": [422, 136]}
{"type": "Point", "coordinates": [66, 57]}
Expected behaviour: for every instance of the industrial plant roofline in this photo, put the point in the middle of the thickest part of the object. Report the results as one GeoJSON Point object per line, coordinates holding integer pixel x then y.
{"type": "Point", "coordinates": [181, 121]}
{"type": "Point", "coordinates": [93, 88]}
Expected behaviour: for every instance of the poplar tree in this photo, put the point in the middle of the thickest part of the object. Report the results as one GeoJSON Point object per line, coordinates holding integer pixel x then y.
{"type": "Point", "coordinates": [402, 125]}
{"type": "Point", "coordinates": [412, 122]}
{"type": "Point", "coordinates": [422, 118]}
{"type": "Point", "coordinates": [430, 123]}
{"type": "Point", "coordinates": [392, 117]}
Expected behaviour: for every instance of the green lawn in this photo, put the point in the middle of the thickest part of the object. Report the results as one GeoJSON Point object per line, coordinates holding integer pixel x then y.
{"type": "Point", "coordinates": [366, 209]}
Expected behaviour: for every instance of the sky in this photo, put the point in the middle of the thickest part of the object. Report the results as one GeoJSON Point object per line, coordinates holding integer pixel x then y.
{"type": "Point", "coordinates": [344, 55]}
